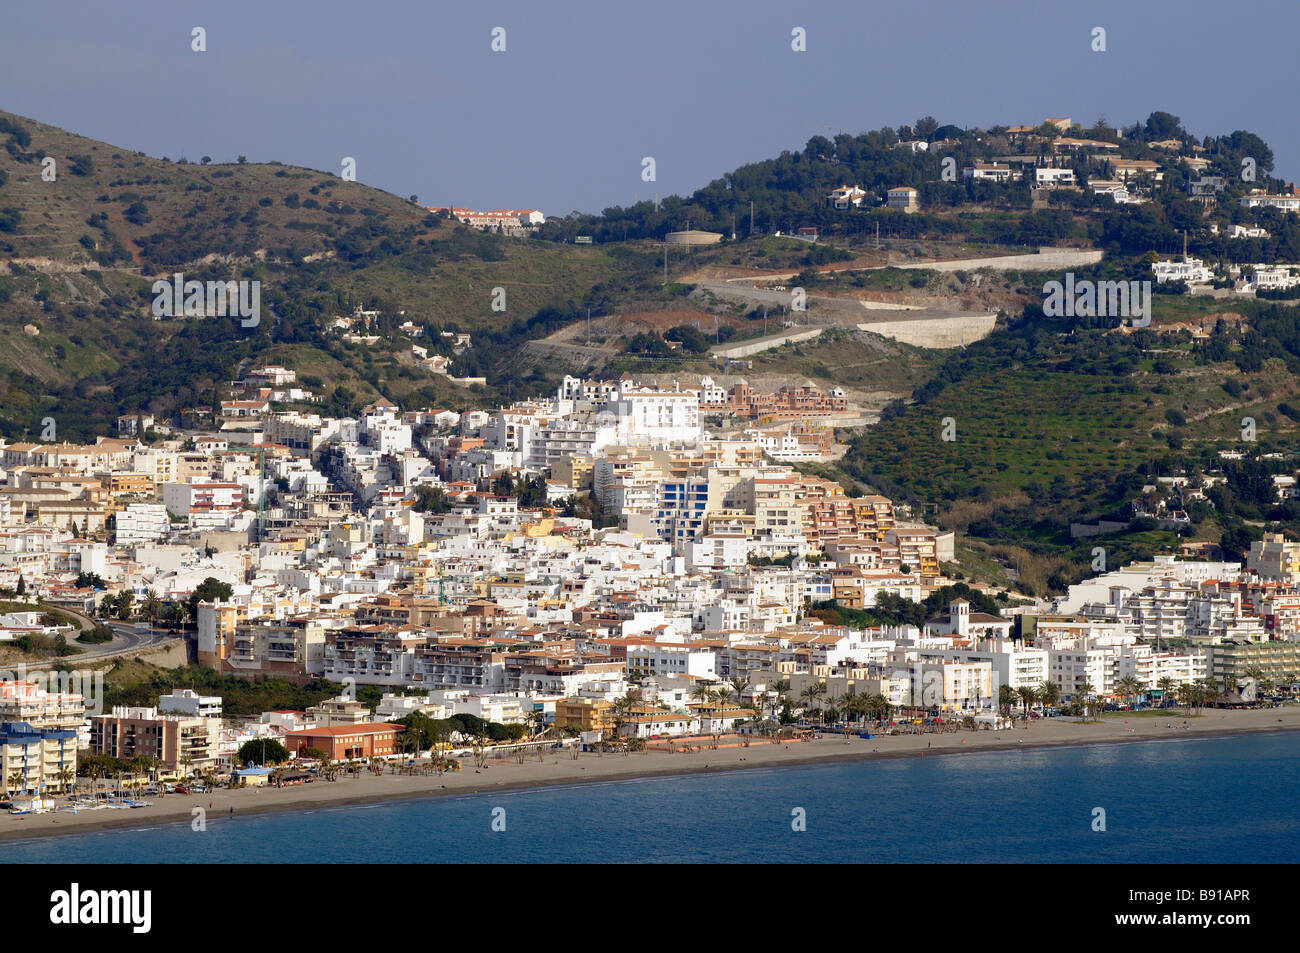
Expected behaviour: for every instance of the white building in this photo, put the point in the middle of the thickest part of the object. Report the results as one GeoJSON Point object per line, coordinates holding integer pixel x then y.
{"type": "Point", "coordinates": [183, 701]}
{"type": "Point", "coordinates": [673, 658]}
{"type": "Point", "coordinates": [1190, 270]}
{"type": "Point", "coordinates": [1050, 176]}
{"type": "Point", "coordinates": [1258, 198]}
{"type": "Point", "coordinates": [142, 523]}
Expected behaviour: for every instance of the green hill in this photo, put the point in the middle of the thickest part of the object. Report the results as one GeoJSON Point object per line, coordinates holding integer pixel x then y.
{"type": "Point", "coordinates": [79, 254]}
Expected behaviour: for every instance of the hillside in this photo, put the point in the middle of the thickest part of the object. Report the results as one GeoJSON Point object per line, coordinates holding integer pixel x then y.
{"type": "Point", "coordinates": [1054, 420]}
{"type": "Point", "coordinates": [79, 254]}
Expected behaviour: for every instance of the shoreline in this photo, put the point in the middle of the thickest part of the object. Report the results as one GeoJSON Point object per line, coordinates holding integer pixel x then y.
{"type": "Point", "coordinates": [589, 768]}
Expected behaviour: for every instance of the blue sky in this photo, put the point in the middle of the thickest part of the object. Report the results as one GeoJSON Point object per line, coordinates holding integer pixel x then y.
{"type": "Point", "coordinates": [561, 120]}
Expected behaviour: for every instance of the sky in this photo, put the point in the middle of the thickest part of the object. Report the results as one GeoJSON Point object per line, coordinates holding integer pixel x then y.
{"type": "Point", "coordinates": [561, 119]}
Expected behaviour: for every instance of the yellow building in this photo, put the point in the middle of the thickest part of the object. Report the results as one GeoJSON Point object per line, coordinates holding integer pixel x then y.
{"type": "Point", "coordinates": [584, 714]}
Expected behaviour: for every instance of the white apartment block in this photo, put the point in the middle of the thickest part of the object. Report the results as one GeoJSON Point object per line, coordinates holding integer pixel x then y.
{"type": "Point", "coordinates": [671, 658]}
{"type": "Point", "coordinates": [142, 523]}
{"type": "Point", "coordinates": [184, 701]}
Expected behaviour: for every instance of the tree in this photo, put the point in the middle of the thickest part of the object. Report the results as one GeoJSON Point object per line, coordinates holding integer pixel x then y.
{"type": "Point", "coordinates": [701, 691]}
{"type": "Point", "coordinates": [810, 694]}
{"type": "Point", "coordinates": [431, 499]}
{"type": "Point", "coordinates": [242, 159]}
{"type": "Point", "coordinates": [1166, 686]}
{"type": "Point", "coordinates": [125, 604]}
{"type": "Point", "coordinates": [738, 685]}
{"type": "Point", "coordinates": [263, 751]}
{"type": "Point", "coordinates": [22, 585]}
{"type": "Point", "coordinates": [1163, 125]}
{"type": "Point", "coordinates": [1049, 693]}
{"type": "Point", "coordinates": [1007, 697]}
{"type": "Point", "coordinates": [1087, 699]}
{"type": "Point", "coordinates": [209, 590]}
{"type": "Point", "coordinates": [1129, 687]}
{"type": "Point", "coordinates": [925, 127]}
{"type": "Point", "coordinates": [151, 608]}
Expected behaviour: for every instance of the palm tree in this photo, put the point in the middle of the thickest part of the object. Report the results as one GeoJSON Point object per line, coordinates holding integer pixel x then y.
{"type": "Point", "coordinates": [66, 778]}
{"type": "Point", "coordinates": [1085, 692]}
{"type": "Point", "coordinates": [1211, 692]}
{"type": "Point", "coordinates": [1129, 687]}
{"type": "Point", "coordinates": [738, 685]}
{"type": "Point", "coordinates": [1049, 693]}
{"type": "Point", "coordinates": [1167, 689]}
{"type": "Point", "coordinates": [1006, 698]}
{"type": "Point", "coordinates": [810, 695]}
{"type": "Point", "coordinates": [877, 707]}
{"type": "Point", "coordinates": [1028, 695]}
{"type": "Point", "coordinates": [844, 704]}
{"type": "Point", "coordinates": [702, 692]}
{"type": "Point", "coordinates": [14, 783]}
{"type": "Point", "coordinates": [151, 607]}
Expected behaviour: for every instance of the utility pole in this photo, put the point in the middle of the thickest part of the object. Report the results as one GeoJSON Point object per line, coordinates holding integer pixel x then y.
{"type": "Point", "coordinates": [665, 261]}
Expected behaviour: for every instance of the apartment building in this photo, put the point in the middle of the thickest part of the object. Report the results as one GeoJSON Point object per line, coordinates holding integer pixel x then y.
{"type": "Point", "coordinates": [36, 761]}
{"type": "Point", "coordinates": [373, 654]}
{"type": "Point", "coordinates": [141, 523]}
{"type": "Point", "coordinates": [672, 658]}
{"type": "Point", "coordinates": [177, 742]}
{"type": "Point", "coordinates": [337, 711]}
{"type": "Point", "coordinates": [30, 703]}
{"type": "Point", "coordinates": [1275, 558]}
{"type": "Point", "coordinates": [581, 713]}
{"type": "Point", "coordinates": [791, 401]}
{"type": "Point", "coordinates": [185, 701]}
{"type": "Point", "coordinates": [461, 663]}
{"type": "Point", "coordinates": [1279, 661]}
{"type": "Point", "coordinates": [952, 684]}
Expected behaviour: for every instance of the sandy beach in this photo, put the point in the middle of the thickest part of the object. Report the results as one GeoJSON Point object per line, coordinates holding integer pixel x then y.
{"type": "Point", "coordinates": [560, 768]}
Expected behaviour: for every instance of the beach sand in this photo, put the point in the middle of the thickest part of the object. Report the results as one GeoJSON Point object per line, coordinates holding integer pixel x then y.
{"type": "Point", "coordinates": [559, 767]}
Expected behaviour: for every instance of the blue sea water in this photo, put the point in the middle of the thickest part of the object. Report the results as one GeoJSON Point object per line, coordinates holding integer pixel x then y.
{"type": "Point", "coordinates": [1222, 800]}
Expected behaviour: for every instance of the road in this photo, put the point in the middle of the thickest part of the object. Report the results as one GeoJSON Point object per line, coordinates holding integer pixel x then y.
{"type": "Point", "coordinates": [126, 638]}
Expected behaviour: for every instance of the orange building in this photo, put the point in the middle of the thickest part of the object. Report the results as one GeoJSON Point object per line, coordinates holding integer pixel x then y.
{"type": "Point", "coordinates": [345, 742]}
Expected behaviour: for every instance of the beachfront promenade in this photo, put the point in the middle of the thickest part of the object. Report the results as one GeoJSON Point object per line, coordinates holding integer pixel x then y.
{"type": "Point", "coordinates": [559, 767]}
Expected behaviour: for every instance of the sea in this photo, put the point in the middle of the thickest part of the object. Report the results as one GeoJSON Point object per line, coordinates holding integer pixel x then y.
{"type": "Point", "coordinates": [1228, 799]}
